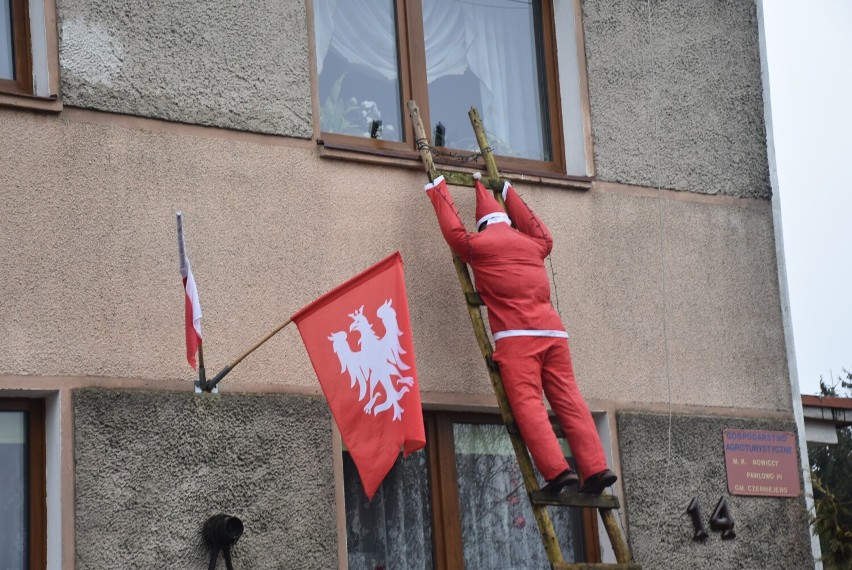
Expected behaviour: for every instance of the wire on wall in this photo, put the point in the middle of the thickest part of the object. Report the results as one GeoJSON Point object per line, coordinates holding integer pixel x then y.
{"type": "Point", "coordinates": [661, 210]}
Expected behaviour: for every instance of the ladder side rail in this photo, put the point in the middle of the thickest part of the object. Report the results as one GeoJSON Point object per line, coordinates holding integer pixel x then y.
{"type": "Point", "coordinates": [482, 141]}
{"type": "Point", "coordinates": [616, 538]}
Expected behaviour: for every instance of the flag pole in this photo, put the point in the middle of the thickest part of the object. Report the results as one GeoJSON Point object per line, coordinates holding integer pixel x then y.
{"type": "Point", "coordinates": [202, 376]}
{"type": "Point", "coordinates": [224, 372]}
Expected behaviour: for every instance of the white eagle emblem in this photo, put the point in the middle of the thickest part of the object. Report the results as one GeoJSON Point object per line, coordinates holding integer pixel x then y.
{"type": "Point", "coordinates": [378, 361]}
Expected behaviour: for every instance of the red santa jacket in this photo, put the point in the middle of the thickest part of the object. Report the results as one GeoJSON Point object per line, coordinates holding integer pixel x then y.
{"type": "Point", "coordinates": [507, 263]}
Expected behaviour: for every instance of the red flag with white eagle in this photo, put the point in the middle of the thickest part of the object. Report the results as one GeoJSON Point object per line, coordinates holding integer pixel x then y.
{"type": "Point", "coordinates": [192, 305]}
{"type": "Point", "coordinates": [358, 337]}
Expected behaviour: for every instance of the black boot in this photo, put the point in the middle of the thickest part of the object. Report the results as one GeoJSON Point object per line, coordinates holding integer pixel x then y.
{"type": "Point", "coordinates": [564, 479]}
{"type": "Point", "coordinates": [596, 483]}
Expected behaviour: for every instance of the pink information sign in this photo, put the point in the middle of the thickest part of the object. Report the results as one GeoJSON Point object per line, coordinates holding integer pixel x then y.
{"type": "Point", "coordinates": [762, 463]}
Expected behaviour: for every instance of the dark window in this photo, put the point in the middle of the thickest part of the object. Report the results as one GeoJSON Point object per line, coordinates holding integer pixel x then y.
{"type": "Point", "coordinates": [448, 55]}
{"type": "Point", "coordinates": [394, 530]}
{"type": "Point", "coordinates": [459, 503]}
{"type": "Point", "coordinates": [7, 52]}
{"type": "Point", "coordinates": [15, 60]}
{"type": "Point", "coordinates": [22, 485]}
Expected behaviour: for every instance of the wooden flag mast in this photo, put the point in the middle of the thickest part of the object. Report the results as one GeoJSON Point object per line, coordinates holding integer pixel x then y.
{"type": "Point", "coordinates": [222, 373]}
{"type": "Point", "coordinates": [604, 503]}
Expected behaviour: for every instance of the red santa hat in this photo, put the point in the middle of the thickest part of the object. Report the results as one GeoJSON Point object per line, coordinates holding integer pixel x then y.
{"type": "Point", "coordinates": [487, 207]}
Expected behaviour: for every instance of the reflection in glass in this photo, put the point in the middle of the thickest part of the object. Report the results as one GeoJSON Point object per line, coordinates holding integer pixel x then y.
{"type": "Point", "coordinates": [7, 60]}
{"type": "Point", "coordinates": [498, 526]}
{"type": "Point", "coordinates": [394, 530]}
{"type": "Point", "coordinates": [358, 68]}
{"type": "Point", "coordinates": [488, 54]}
{"type": "Point", "coordinates": [13, 491]}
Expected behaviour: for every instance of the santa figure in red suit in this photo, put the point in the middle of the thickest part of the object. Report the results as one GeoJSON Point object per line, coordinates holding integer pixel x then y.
{"type": "Point", "coordinates": [531, 343]}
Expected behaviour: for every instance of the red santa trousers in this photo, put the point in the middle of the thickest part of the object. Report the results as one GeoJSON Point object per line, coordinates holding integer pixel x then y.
{"type": "Point", "coordinates": [529, 364]}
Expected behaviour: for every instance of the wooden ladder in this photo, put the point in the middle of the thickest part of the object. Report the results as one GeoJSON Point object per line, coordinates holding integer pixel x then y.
{"type": "Point", "coordinates": [539, 500]}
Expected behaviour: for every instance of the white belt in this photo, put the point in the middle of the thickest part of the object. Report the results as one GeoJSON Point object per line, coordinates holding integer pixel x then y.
{"type": "Point", "coordinates": [553, 334]}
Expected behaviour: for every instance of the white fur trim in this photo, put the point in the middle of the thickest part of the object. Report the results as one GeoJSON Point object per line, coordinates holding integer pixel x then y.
{"type": "Point", "coordinates": [477, 175]}
{"type": "Point", "coordinates": [494, 218]}
{"type": "Point", "coordinates": [506, 186]}
{"type": "Point", "coordinates": [552, 334]}
{"type": "Point", "coordinates": [434, 183]}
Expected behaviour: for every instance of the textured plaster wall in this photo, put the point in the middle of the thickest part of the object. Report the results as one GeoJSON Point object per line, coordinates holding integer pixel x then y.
{"type": "Point", "coordinates": [771, 532]}
{"type": "Point", "coordinates": [676, 94]}
{"type": "Point", "coordinates": [151, 467]}
{"type": "Point", "coordinates": [90, 280]}
{"type": "Point", "coordinates": [240, 65]}
{"type": "Point", "coordinates": [715, 280]}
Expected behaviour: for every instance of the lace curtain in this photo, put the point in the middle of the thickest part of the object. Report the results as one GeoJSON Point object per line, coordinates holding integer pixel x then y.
{"type": "Point", "coordinates": [498, 527]}
{"type": "Point", "coordinates": [394, 530]}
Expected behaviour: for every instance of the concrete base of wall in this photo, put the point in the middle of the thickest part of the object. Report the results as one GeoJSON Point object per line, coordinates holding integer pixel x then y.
{"type": "Point", "coordinates": [152, 467]}
{"type": "Point", "coordinates": [771, 532]}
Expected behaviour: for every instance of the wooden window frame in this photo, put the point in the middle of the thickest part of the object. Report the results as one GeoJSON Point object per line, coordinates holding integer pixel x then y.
{"type": "Point", "coordinates": [36, 483]}
{"type": "Point", "coordinates": [22, 49]}
{"type": "Point", "coordinates": [446, 518]}
{"type": "Point", "coordinates": [411, 57]}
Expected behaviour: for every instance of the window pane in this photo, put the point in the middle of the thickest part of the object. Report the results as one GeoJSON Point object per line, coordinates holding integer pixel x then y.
{"type": "Point", "coordinates": [394, 530]}
{"type": "Point", "coordinates": [487, 54]}
{"type": "Point", "coordinates": [358, 68]}
{"type": "Point", "coordinates": [498, 526]}
{"type": "Point", "coordinates": [13, 491]}
{"type": "Point", "coordinates": [7, 60]}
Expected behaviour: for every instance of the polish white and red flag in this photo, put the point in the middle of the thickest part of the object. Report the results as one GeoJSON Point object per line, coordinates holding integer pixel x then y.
{"type": "Point", "coordinates": [192, 306]}
{"type": "Point", "coordinates": [358, 337]}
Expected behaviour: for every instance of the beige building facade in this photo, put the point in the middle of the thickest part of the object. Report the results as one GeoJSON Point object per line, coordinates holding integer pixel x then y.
{"type": "Point", "coordinates": [664, 269]}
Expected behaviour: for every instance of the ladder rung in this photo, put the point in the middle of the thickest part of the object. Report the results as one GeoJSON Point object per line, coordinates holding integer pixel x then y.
{"type": "Point", "coordinates": [473, 299]}
{"type": "Point", "coordinates": [594, 566]}
{"type": "Point", "coordinates": [466, 179]}
{"type": "Point", "coordinates": [575, 500]}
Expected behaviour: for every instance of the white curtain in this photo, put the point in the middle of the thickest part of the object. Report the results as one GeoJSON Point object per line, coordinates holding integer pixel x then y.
{"type": "Point", "coordinates": [465, 35]}
{"type": "Point", "coordinates": [459, 36]}
{"type": "Point", "coordinates": [498, 525]}
{"type": "Point", "coordinates": [363, 32]}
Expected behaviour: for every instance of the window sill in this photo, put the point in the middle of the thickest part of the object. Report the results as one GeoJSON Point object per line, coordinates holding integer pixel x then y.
{"type": "Point", "coordinates": [32, 102]}
{"type": "Point", "coordinates": [411, 160]}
